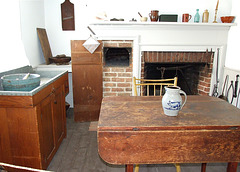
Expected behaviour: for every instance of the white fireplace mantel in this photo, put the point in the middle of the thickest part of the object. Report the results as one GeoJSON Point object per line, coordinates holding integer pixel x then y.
{"type": "Point", "coordinates": [166, 33]}
{"type": "Point", "coordinates": [167, 36]}
{"type": "Point", "coordinates": [163, 24]}
{"type": "Point", "coordinates": [154, 36]}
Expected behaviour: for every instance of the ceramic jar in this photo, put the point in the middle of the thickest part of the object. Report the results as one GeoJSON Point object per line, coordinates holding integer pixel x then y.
{"type": "Point", "coordinates": [172, 101]}
{"type": "Point", "coordinates": [205, 16]}
{"type": "Point", "coordinates": [154, 15]}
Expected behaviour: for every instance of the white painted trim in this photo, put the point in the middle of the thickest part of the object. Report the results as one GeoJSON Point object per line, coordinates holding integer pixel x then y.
{"type": "Point", "coordinates": [231, 69]}
{"type": "Point", "coordinates": [159, 24]}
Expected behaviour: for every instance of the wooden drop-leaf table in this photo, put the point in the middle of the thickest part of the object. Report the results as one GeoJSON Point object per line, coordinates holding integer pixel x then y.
{"type": "Point", "coordinates": [134, 130]}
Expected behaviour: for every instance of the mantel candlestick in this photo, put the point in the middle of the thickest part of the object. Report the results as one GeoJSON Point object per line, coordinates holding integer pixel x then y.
{"type": "Point", "coordinates": [215, 18]}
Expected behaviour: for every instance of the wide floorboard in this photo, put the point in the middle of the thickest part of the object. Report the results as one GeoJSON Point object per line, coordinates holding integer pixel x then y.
{"type": "Point", "coordinates": [78, 153]}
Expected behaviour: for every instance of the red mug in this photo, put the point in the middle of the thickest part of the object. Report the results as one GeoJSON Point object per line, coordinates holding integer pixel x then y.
{"type": "Point", "coordinates": [186, 17]}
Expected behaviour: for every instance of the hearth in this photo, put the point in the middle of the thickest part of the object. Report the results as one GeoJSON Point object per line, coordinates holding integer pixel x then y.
{"type": "Point", "coordinates": [193, 69]}
{"type": "Point", "coordinates": [188, 74]}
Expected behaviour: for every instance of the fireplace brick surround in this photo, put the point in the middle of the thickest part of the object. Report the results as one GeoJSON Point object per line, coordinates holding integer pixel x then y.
{"type": "Point", "coordinates": [117, 81]}
{"type": "Point", "coordinates": [184, 57]}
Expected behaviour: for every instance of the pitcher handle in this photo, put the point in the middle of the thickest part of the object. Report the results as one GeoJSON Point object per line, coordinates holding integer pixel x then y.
{"type": "Point", "coordinates": [185, 98]}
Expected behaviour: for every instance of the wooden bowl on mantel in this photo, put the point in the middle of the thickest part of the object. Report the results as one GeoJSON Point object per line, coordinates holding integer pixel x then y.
{"type": "Point", "coordinates": [60, 59]}
{"type": "Point", "coordinates": [227, 19]}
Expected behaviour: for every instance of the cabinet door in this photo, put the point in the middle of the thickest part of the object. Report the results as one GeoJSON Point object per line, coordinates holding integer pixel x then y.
{"type": "Point", "coordinates": [87, 81]}
{"type": "Point", "coordinates": [5, 141]}
{"type": "Point", "coordinates": [87, 89]}
{"type": "Point", "coordinates": [47, 128]}
{"type": "Point", "coordinates": [59, 115]}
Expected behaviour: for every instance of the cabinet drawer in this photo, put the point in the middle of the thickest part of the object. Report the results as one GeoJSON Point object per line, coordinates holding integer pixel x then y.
{"type": "Point", "coordinates": [87, 58]}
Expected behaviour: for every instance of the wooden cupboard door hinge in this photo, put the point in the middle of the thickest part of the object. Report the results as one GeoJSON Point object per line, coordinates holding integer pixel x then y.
{"type": "Point", "coordinates": [41, 115]}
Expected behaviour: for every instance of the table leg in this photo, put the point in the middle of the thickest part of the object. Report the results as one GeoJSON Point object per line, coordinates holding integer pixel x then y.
{"type": "Point", "coordinates": [129, 168]}
{"type": "Point", "coordinates": [204, 165]}
{"type": "Point", "coordinates": [232, 167]}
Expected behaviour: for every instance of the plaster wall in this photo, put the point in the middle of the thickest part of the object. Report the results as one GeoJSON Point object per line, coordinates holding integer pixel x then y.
{"type": "Point", "coordinates": [86, 10]}
{"type": "Point", "coordinates": [233, 57]}
{"type": "Point", "coordinates": [20, 45]}
{"type": "Point", "coordinates": [232, 65]}
{"type": "Point", "coordinates": [45, 13]}
{"type": "Point", "coordinates": [12, 50]}
{"type": "Point", "coordinates": [32, 16]}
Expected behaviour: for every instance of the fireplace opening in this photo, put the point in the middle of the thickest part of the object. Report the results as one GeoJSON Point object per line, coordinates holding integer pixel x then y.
{"type": "Point", "coordinates": [116, 57]}
{"type": "Point", "coordinates": [188, 74]}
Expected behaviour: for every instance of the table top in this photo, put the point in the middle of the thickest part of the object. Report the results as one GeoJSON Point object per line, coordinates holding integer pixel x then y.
{"type": "Point", "coordinates": [146, 113]}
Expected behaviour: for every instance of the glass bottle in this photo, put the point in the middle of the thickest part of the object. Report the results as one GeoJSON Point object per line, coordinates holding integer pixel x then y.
{"type": "Point", "coordinates": [205, 16]}
{"type": "Point", "coordinates": [197, 17]}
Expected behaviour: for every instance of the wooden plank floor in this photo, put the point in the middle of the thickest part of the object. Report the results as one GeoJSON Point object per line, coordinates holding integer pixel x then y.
{"type": "Point", "coordinates": [78, 153]}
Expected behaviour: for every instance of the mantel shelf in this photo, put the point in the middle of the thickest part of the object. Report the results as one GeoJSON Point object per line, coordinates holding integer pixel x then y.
{"type": "Point", "coordinates": [161, 24]}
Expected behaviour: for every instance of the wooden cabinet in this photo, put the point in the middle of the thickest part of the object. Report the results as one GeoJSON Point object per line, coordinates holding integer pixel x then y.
{"type": "Point", "coordinates": [33, 127]}
{"type": "Point", "coordinates": [52, 122]}
{"type": "Point", "coordinates": [59, 115]}
{"type": "Point", "coordinates": [46, 111]}
{"type": "Point", "coordinates": [87, 81]}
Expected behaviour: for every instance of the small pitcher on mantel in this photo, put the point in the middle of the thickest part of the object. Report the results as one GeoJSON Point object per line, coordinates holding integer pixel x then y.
{"type": "Point", "coordinates": [172, 101]}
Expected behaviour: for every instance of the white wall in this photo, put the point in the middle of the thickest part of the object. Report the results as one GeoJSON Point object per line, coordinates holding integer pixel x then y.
{"type": "Point", "coordinates": [32, 17]}
{"type": "Point", "coordinates": [86, 10]}
{"type": "Point", "coordinates": [232, 65]}
{"type": "Point", "coordinates": [19, 42]}
{"type": "Point", "coordinates": [12, 50]}
{"type": "Point", "coordinates": [60, 40]}
{"type": "Point", "coordinates": [233, 57]}
{"type": "Point", "coordinates": [47, 13]}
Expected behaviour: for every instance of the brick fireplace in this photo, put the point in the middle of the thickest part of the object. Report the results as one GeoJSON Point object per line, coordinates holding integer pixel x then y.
{"type": "Point", "coordinates": [164, 43]}
{"type": "Point", "coordinates": [117, 80]}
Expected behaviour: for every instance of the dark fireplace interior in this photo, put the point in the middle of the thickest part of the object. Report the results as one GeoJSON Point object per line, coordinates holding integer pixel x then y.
{"type": "Point", "coordinates": [116, 56]}
{"type": "Point", "coordinates": [187, 73]}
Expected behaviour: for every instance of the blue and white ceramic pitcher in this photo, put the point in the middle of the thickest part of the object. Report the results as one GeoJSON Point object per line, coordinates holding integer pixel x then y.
{"type": "Point", "coordinates": [172, 101]}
